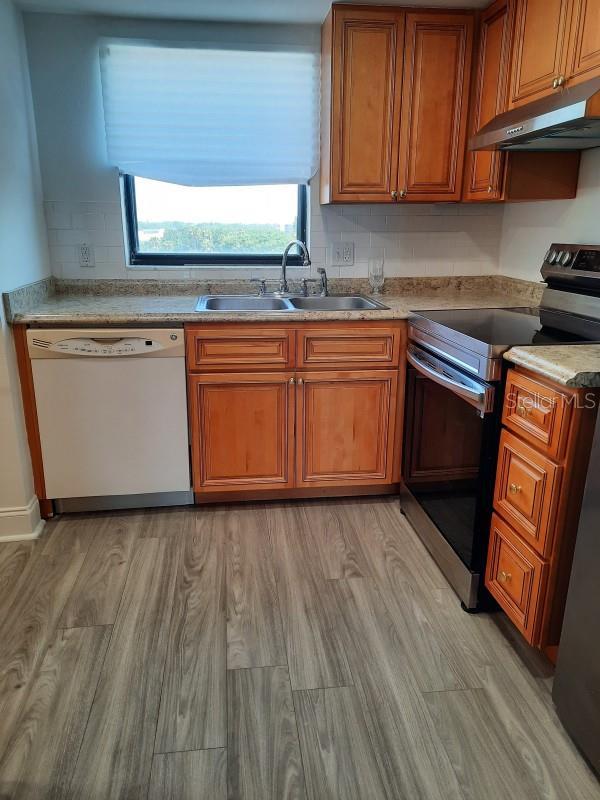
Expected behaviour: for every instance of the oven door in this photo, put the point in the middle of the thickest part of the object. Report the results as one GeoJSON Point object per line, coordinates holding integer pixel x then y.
{"type": "Point", "coordinates": [450, 451]}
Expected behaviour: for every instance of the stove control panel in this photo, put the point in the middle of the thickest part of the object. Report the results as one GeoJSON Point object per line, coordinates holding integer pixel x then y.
{"type": "Point", "coordinates": [562, 258]}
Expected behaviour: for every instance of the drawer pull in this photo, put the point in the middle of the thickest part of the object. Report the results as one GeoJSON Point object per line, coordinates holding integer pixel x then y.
{"type": "Point", "coordinates": [523, 410]}
{"type": "Point", "coordinates": [514, 488]}
{"type": "Point", "coordinates": [504, 577]}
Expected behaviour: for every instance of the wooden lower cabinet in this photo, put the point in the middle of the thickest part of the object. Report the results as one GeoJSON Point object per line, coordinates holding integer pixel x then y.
{"type": "Point", "coordinates": [282, 431]}
{"type": "Point", "coordinates": [242, 431]}
{"type": "Point", "coordinates": [346, 427]}
{"type": "Point", "coordinates": [542, 465]}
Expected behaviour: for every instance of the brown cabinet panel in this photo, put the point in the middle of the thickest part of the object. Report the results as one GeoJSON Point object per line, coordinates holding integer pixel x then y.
{"type": "Point", "coordinates": [517, 578]}
{"type": "Point", "coordinates": [346, 424]}
{"type": "Point", "coordinates": [538, 413]}
{"type": "Point", "coordinates": [583, 60]}
{"type": "Point", "coordinates": [242, 431]}
{"type": "Point", "coordinates": [355, 345]}
{"type": "Point", "coordinates": [239, 347]}
{"type": "Point", "coordinates": [435, 88]}
{"type": "Point", "coordinates": [539, 54]}
{"type": "Point", "coordinates": [484, 169]}
{"type": "Point", "coordinates": [527, 492]}
{"type": "Point", "coordinates": [361, 136]}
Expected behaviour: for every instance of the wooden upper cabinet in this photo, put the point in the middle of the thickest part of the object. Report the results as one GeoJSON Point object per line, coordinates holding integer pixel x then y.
{"type": "Point", "coordinates": [361, 64]}
{"type": "Point", "coordinates": [583, 59]}
{"type": "Point", "coordinates": [484, 170]}
{"type": "Point", "coordinates": [435, 93]}
{"type": "Point", "coordinates": [540, 48]}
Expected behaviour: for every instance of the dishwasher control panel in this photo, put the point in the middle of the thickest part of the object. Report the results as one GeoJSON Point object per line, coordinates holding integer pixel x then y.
{"type": "Point", "coordinates": [105, 343]}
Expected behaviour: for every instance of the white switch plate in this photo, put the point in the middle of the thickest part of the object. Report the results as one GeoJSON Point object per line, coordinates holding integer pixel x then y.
{"type": "Point", "coordinates": [86, 255]}
{"type": "Point", "coordinates": [342, 254]}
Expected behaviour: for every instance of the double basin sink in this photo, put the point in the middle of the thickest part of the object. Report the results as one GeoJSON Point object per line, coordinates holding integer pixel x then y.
{"type": "Point", "coordinates": [258, 303]}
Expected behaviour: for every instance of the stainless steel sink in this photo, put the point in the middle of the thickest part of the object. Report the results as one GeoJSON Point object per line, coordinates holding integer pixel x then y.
{"type": "Point", "coordinates": [336, 303]}
{"type": "Point", "coordinates": [243, 302]}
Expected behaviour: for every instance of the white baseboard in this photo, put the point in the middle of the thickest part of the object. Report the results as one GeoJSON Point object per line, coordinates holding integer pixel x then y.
{"type": "Point", "coordinates": [21, 523]}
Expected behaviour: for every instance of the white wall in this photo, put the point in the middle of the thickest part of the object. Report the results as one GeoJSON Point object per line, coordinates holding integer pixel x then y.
{"type": "Point", "coordinates": [23, 259]}
{"type": "Point", "coordinates": [82, 192]}
{"type": "Point", "coordinates": [529, 228]}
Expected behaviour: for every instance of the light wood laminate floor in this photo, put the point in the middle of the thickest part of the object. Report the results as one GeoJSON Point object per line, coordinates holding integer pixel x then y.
{"type": "Point", "coordinates": [307, 651]}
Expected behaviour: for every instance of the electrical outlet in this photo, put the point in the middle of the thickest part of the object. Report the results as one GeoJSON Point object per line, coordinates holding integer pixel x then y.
{"type": "Point", "coordinates": [342, 254]}
{"type": "Point", "coordinates": [86, 255]}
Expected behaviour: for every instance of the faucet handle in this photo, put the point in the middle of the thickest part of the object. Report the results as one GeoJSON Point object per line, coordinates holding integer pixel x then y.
{"type": "Point", "coordinates": [262, 288]}
{"type": "Point", "coordinates": [324, 288]}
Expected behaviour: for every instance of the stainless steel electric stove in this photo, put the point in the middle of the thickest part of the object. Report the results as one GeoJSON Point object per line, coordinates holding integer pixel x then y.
{"type": "Point", "coordinates": [454, 398]}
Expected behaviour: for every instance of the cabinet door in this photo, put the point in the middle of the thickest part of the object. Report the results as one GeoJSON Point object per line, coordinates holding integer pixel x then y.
{"type": "Point", "coordinates": [346, 425]}
{"type": "Point", "coordinates": [366, 67]}
{"type": "Point", "coordinates": [484, 169]}
{"type": "Point", "coordinates": [435, 94]}
{"type": "Point", "coordinates": [539, 52]}
{"type": "Point", "coordinates": [242, 431]}
{"type": "Point", "coordinates": [583, 60]}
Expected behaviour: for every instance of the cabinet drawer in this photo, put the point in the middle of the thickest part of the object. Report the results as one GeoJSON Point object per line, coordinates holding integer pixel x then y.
{"type": "Point", "coordinates": [367, 346]}
{"type": "Point", "coordinates": [517, 578]}
{"type": "Point", "coordinates": [527, 492]}
{"type": "Point", "coordinates": [239, 347]}
{"type": "Point", "coordinates": [537, 412]}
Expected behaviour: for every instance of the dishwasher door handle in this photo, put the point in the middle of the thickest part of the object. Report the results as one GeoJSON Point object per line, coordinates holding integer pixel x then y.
{"type": "Point", "coordinates": [479, 395]}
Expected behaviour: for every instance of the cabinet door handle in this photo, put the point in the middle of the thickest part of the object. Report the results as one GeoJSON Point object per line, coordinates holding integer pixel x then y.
{"type": "Point", "coordinates": [300, 381]}
{"type": "Point", "coordinates": [504, 577]}
{"type": "Point", "coordinates": [403, 194]}
{"type": "Point", "coordinates": [523, 410]}
{"type": "Point", "coordinates": [514, 488]}
{"type": "Point", "coordinates": [292, 380]}
{"type": "Point", "coordinates": [490, 189]}
{"type": "Point", "coordinates": [394, 195]}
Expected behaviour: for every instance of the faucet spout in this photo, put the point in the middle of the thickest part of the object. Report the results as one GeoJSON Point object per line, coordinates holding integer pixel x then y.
{"type": "Point", "coordinates": [283, 282]}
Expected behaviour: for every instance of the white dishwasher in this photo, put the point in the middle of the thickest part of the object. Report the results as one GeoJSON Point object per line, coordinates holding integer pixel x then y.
{"type": "Point", "coordinates": [112, 414]}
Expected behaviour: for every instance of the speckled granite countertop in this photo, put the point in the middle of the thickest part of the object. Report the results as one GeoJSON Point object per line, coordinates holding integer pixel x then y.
{"type": "Point", "coordinates": [178, 309]}
{"type": "Point", "coordinates": [575, 365]}
{"type": "Point", "coordinates": [111, 303]}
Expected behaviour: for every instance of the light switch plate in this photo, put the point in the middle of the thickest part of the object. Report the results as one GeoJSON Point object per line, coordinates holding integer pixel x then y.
{"type": "Point", "coordinates": [342, 254]}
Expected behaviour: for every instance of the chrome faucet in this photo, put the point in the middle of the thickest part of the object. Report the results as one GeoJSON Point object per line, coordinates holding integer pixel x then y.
{"type": "Point", "coordinates": [283, 283]}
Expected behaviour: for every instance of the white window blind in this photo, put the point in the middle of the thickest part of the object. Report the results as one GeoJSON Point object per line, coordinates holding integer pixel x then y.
{"type": "Point", "coordinates": [211, 117]}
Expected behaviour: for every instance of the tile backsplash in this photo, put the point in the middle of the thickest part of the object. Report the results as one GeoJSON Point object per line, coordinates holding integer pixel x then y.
{"type": "Point", "coordinates": [415, 240]}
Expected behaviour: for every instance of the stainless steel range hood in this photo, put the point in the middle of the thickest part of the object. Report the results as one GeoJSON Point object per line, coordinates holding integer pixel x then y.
{"type": "Point", "coordinates": [567, 120]}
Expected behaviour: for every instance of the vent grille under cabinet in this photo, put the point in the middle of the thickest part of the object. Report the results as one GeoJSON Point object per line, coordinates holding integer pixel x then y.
{"type": "Point", "coordinates": [40, 343]}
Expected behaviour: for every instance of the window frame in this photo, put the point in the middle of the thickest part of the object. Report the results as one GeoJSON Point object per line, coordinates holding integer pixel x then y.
{"type": "Point", "coordinates": [138, 258]}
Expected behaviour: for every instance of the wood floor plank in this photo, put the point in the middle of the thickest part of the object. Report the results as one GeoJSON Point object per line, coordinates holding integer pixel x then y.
{"type": "Point", "coordinates": [97, 593]}
{"type": "Point", "coordinates": [483, 758]}
{"type": "Point", "coordinates": [13, 558]}
{"type": "Point", "coordinates": [42, 753]}
{"type": "Point", "coordinates": [254, 631]}
{"type": "Point", "coordinates": [116, 753]}
{"type": "Point", "coordinates": [310, 614]}
{"type": "Point", "coordinates": [337, 751]}
{"type": "Point", "coordinates": [264, 761]}
{"type": "Point", "coordinates": [393, 548]}
{"type": "Point", "coordinates": [194, 775]}
{"type": "Point", "coordinates": [28, 619]}
{"type": "Point", "coordinates": [332, 526]}
{"type": "Point", "coordinates": [159, 523]}
{"type": "Point", "coordinates": [193, 704]}
{"type": "Point", "coordinates": [69, 534]}
{"type": "Point", "coordinates": [530, 723]}
{"type": "Point", "coordinates": [409, 753]}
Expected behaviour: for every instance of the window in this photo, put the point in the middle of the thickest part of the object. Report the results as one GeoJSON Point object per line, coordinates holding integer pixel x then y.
{"type": "Point", "coordinates": [174, 225]}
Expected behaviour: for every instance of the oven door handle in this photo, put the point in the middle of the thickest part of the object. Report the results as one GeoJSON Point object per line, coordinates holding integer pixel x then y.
{"type": "Point", "coordinates": [478, 395]}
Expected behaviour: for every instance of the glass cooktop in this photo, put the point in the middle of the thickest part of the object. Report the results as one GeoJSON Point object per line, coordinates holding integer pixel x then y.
{"type": "Point", "coordinates": [500, 326]}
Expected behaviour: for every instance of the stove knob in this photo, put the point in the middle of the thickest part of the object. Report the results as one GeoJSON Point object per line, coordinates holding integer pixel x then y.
{"type": "Point", "coordinates": [565, 259]}
{"type": "Point", "coordinates": [552, 256]}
